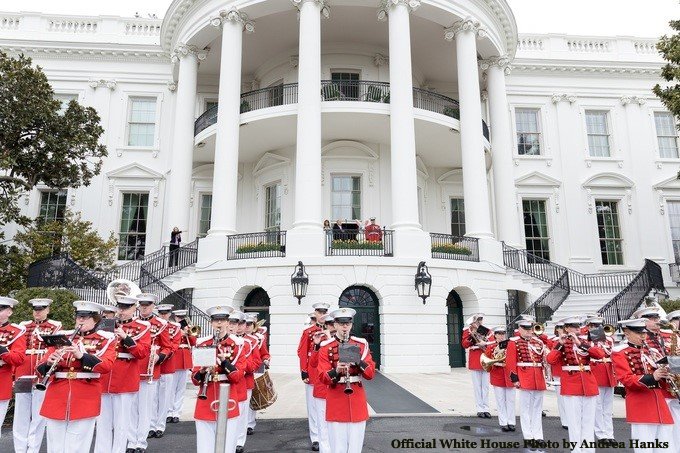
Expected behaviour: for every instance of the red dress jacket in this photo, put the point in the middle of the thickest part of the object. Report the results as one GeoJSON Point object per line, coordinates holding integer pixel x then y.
{"type": "Point", "coordinates": [12, 355]}
{"type": "Point", "coordinates": [160, 343]}
{"type": "Point", "coordinates": [603, 369]}
{"type": "Point", "coordinates": [130, 352]}
{"type": "Point", "coordinates": [555, 369]}
{"type": "Point", "coordinates": [182, 357]}
{"type": "Point", "coordinates": [75, 392]}
{"type": "Point", "coordinates": [244, 351]}
{"type": "Point", "coordinates": [645, 401]}
{"type": "Point", "coordinates": [474, 351]}
{"type": "Point", "coordinates": [497, 376]}
{"type": "Point", "coordinates": [524, 362]}
{"type": "Point", "coordinates": [35, 348]}
{"type": "Point", "coordinates": [230, 370]}
{"type": "Point", "coordinates": [660, 342]}
{"type": "Point", "coordinates": [305, 351]}
{"type": "Point", "coordinates": [341, 407]}
{"type": "Point", "coordinates": [254, 360]}
{"type": "Point", "coordinates": [175, 336]}
{"type": "Point", "coordinates": [264, 349]}
{"type": "Point", "coordinates": [577, 378]}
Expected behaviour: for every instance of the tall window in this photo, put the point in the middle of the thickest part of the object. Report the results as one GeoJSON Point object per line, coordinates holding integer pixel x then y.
{"type": "Point", "coordinates": [598, 133]}
{"type": "Point", "coordinates": [272, 208]}
{"type": "Point", "coordinates": [674, 219]}
{"type": "Point", "coordinates": [457, 217]}
{"type": "Point", "coordinates": [666, 134]}
{"type": "Point", "coordinates": [536, 228]}
{"type": "Point", "coordinates": [65, 99]}
{"type": "Point", "coordinates": [611, 241]}
{"type": "Point", "coordinates": [275, 93]}
{"type": "Point", "coordinates": [348, 84]}
{"type": "Point", "coordinates": [346, 197]}
{"type": "Point", "coordinates": [52, 205]}
{"type": "Point", "coordinates": [528, 132]}
{"type": "Point", "coordinates": [133, 218]}
{"type": "Point", "coordinates": [142, 122]}
{"type": "Point", "coordinates": [206, 212]}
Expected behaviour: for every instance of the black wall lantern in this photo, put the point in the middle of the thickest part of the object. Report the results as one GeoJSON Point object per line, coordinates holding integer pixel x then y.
{"type": "Point", "coordinates": [423, 281]}
{"type": "Point", "coordinates": [299, 281]}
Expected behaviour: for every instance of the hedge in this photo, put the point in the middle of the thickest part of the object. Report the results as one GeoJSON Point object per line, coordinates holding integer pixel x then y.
{"type": "Point", "coordinates": [60, 310]}
{"type": "Point", "coordinates": [264, 247]}
{"type": "Point", "coordinates": [670, 305]}
{"type": "Point", "coordinates": [453, 249]}
{"type": "Point", "coordinates": [365, 245]}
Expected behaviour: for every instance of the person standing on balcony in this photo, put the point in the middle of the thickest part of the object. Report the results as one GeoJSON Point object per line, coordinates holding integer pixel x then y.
{"type": "Point", "coordinates": [475, 341]}
{"type": "Point", "coordinates": [29, 427]}
{"type": "Point", "coordinates": [307, 373]}
{"type": "Point", "coordinates": [163, 395]}
{"type": "Point", "coordinates": [603, 370]}
{"type": "Point", "coordinates": [183, 364]}
{"type": "Point", "coordinates": [373, 231]}
{"type": "Point", "coordinates": [338, 234]}
{"type": "Point", "coordinates": [175, 244]}
{"type": "Point", "coordinates": [12, 349]}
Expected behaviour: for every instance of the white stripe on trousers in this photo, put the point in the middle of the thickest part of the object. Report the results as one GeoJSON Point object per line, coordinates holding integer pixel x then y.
{"type": "Point", "coordinates": [580, 420]}
{"type": "Point", "coordinates": [243, 419]}
{"type": "Point", "coordinates": [205, 435]}
{"type": "Point", "coordinates": [505, 403]}
{"type": "Point", "coordinates": [651, 432]}
{"type": "Point", "coordinates": [141, 415]}
{"type": "Point", "coordinates": [311, 413]}
{"type": "Point", "coordinates": [113, 423]}
{"type": "Point", "coordinates": [3, 411]}
{"type": "Point", "coordinates": [674, 406]}
{"type": "Point", "coordinates": [179, 384]}
{"type": "Point", "coordinates": [346, 437]}
{"type": "Point", "coordinates": [480, 384]}
{"type": "Point", "coordinates": [530, 407]}
{"type": "Point", "coordinates": [604, 425]}
{"type": "Point", "coordinates": [29, 426]}
{"type": "Point", "coordinates": [162, 398]}
{"type": "Point", "coordinates": [324, 443]}
{"type": "Point", "coordinates": [73, 436]}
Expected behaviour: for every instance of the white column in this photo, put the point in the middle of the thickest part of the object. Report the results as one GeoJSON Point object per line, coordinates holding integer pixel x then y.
{"type": "Point", "coordinates": [225, 177]}
{"type": "Point", "coordinates": [475, 191]}
{"type": "Point", "coordinates": [404, 182]}
{"type": "Point", "coordinates": [183, 137]}
{"type": "Point", "coordinates": [508, 223]}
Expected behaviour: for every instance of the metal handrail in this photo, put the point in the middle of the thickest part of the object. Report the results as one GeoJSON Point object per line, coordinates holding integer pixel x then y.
{"type": "Point", "coordinates": [355, 90]}
{"type": "Point", "coordinates": [262, 244]}
{"type": "Point", "coordinates": [356, 242]}
{"type": "Point", "coordinates": [448, 246]}
{"type": "Point", "coordinates": [543, 308]}
{"type": "Point", "coordinates": [160, 265]}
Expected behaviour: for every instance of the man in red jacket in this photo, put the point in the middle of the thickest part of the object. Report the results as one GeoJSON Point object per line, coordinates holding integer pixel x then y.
{"type": "Point", "coordinates": [29, 427]}
{"type": "Point", "coordinates": [346, 413]}
{"type": "Point", "coordinates": [475, 343]}
{"type": "Point", "coordinates": [503, 388]}
{"type": "Point", "coordinates": [12, 348]}
{"type": "Point", "coordinates": [647, 412]}
{"type": "Point", "coordinates": [603, 370]}
{"type": "Point", "coordinates": [556, 373]}
{"type": "Point", "coordinates": [253, 329]}
{"type": "Point", "coordinates": [253, 363]}
{"type": "Point", "coordinates": [73, 397]}
{"type": "Point", "coordinates": [673, 403]}
{"type": "Point", "coordinates": [183, 366]}
{"type": "Point", "coordinates": [308, 374]}
{"type": "Point", "coordinates": [132, 343]}
{"type": "Point", "coordinates": [578, 386]}
{"type": "Point", "coordinates": [163, 395]}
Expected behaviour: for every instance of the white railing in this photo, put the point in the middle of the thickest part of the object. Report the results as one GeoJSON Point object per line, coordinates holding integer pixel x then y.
{"type": "Point", "coordinates": [9, 22]}
{"type": "Point", "coordinates": [530, 43]}
{"type": "Point", "coordinates": [645, 46]}
{"type": "Point", "coordinates": [582, 45]}
{"type": "Point", "coordinates": [138, 28]}
{"type": "Point", "coordinates": [73, 26]}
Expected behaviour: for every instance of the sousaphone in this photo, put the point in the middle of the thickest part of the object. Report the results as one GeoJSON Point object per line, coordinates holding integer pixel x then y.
{"type": "Point", "coordinates": [121, 287]}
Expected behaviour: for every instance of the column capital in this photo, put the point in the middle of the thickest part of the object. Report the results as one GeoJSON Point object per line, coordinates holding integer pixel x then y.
{"type": "Point", "coordinates": [380, 59]}
{"type": "Point", "coordinates": [236, 16]}
{"type": "Point", "coordinates": [172, 86]}
{"type": "Point", "coordinates": [625, 100]}
{"type": "Point", "coordinates": [385, 5]}
{"type": "Point", "coordinates": [559, 97]}
{"type": "Point", "coordinates": [325, 8]}
{"type": "Point", "coordinates": [502, 62]}
{"type": "Point", "coordinates": [103, 83]}
{"type": "Point", "coordinates": [467, 24]}
{"type": "Point", "coordinates": [183, 50]}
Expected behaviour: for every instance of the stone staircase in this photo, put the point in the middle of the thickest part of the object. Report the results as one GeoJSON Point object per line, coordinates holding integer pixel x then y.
{"type": "Point", "coordinates": [181, 279]}
{"type": "Point", "coordinates": [526, 283]}
{"type": "Point", "coordinates": [580, 304]}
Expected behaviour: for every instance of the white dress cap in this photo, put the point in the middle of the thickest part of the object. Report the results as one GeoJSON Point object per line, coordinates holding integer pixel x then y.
{"type": "Point", "coordinates": [40, 303]}
{"type": "Point", "coordinates": [8, 301]}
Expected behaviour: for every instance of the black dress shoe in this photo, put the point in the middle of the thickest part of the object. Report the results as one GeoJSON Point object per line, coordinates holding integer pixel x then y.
{"type": "Point", "coordinates": [480, 414]}
{"type": "Point", "coordinates": [140, 450]}
{"type": "Point", "coordinates": [543, 414]}
{"type": "Point", "coordinates": [565, 427]}
{"type": "Point", "coordinates": [159, 434]}
{"type": "Point", "coordinates": [168, 419]}
{"type": "Point", "coordinates": [250, 431]}
{"type": "Point", "coordinates": [315, 446]}
{"type": "Point", "coordinates": [239, 449]}
{"type": "Point", "coordinates": [511, 427]}
{"type": "Point", "coordinates": [130, 450]}
{"type": "Point", "coordinates": [505, 429]}
{"type": "Point", "coordinates": [487, 415]}
{"type": "Point", "coordinates": [175, 419]}
{"type": "Point", "coordinates": [152, 433]}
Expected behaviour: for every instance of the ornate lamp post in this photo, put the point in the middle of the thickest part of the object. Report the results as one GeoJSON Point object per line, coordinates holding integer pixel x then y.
{"type": "Point", "coordinates": [423, 281]}
{"type": "Point", "coordinates": [299, 281]}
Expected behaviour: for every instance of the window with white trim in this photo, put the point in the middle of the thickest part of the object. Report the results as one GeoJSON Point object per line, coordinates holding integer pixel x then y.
{"type": "Point", "coordinates": [133, 223]}
{"type": "Point", "coordinates": [666, 135]}
{"type": "Point", "coordinates": [52, 205]}
{"type": "Point", "coordinates": [141, 130]}
{"type": "Point", "coordinates": [346, 197]}
{"type": "Point", "coordinates": [272, 208]}
{"type": "Point", "coordinates": [536, 233]}
{"type": "Point", "coordinates": [674, 219]}
{"type": "Point", "coordinates": [528, 128]}
{"type": "Point", "coordinates": [597, 128]}
{"type": "Point", "coordinates": [348, 83]}
{"type": "Point", "coordinates": [609, 231]}
{"type": "Point", "coordinates": [457, 217]}
{"type": "Point", "coordinates": [205, 215]}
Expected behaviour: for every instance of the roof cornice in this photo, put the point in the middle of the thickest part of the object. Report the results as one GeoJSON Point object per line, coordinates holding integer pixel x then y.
{"type": "Point", "coordinates": [575, 68]}
{"type": "Point", "coordinates": [145, 53]}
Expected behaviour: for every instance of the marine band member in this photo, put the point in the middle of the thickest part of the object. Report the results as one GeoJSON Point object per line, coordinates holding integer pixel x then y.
{"type": "Point", "coordinates": [12, 347]}
{"type": "Point", "coordinates": [183, 366]}
{"type": "Point", "coordinates": [320, 388]}
{"type": "Point", "coordinates": [475, 344]}
{"type": "Point", "coordinates": [556, 373]}
{"type": "Point", "coordinates": [261, 335]}
{"type": "Point", "coordinates": [504, 389]}
{"type": "Point", "coordinates": [253, 362]}
{"type": "Point", "coordinates": [673, 403]}
{"type": "Point", "coordinates": [163, 394]}
{"type": "Point", "coordinates": [603, 370]}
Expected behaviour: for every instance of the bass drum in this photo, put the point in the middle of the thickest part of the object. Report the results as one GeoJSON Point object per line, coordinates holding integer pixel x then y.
{"type": "Point", "coordinates": [264, 394]}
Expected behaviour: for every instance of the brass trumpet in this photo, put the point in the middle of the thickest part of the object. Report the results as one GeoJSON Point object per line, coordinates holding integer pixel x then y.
{"type": "Point", "coordinates": [538, 329]}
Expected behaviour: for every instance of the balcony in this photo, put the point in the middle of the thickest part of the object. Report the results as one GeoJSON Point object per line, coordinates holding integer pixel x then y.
{"type": "Point", "coordinates": [449, 247]}
{"type": "Point", "coordinates": [337, 90]}
{"type": "Point", "coordinates": [265, 244]}
{"type": "Point", "coordinates": [349, 242]}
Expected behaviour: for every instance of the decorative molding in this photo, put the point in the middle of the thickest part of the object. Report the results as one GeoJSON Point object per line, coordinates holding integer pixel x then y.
{"type": "Point", "coordinates": [559, 97]}
{"type": "Point", "coordinates": [72, 194]}
{"type": "Point", "coordinates": [111, 191]}
{"type": "Point", "coordinates": [608, 180]}
{"type": "Point", "coordinates": [468, 24]}
{"type": "Point", "coordinates": [103, 83]}
{"type": "Point", "coordinates": [672, 184]}
{"type": "Point", "coordinates": [625, 100]}
{"type": "Point", "coordinates": [193, 191]}
{"type": "Point", "coordinates": [589, 200]}
{"type": "Point", "coordinates": [183, 50]}
{"type": "Point", "coordinates": [27, 199]}
{"type": "Point", "coordinates": [236, 16]}
{"type": "Point", "coordinates": [325, 8]}
{"type": "Point", "coordinates": [95, 54]}
{"type": "Point", "coordinates": [485, 95]}
{"type": "Point", "coordinates": [502, 62]}
{"type": "Point", "coordinates": [371, 174]}
{"type": "Point", "coordinates": [172, 86]}
{"type": "Point", "coordinates": [348, 149]}
{"type": "Point", "coordinates": [380, 59]}
{"type": "Point", "coordinates": [294, 61]}
{"type": "Point", "coordinates": [323, 172]}
{"type": "Point", "coordinates": [662, 201]}
{"type": "Point", "coordinates": [624, 71]}
{"type": "Point", "coordinates": [556, 198]}
{"type": "Point", "coordinates": [269, 161]}
{"type": "Point", "coordinates": [629, 200]}
{"type": "Point", "coordinates": [537, 179]}
{"type": "Point", "coordinates": [385, 5]}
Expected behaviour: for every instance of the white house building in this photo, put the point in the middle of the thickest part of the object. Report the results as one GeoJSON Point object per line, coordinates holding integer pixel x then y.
{"type": "Point", "coordinates": [437, 118]}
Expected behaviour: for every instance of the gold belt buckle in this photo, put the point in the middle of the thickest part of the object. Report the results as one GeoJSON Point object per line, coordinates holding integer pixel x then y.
{"type": "Point", "coordinates": [70, 375]}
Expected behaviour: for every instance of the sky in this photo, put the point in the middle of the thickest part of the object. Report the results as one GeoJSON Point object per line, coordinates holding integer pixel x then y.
{"type": "Point", "coordinates": [640, 18]}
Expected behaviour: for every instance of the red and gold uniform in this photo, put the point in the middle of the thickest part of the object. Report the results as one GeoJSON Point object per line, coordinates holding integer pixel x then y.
{"type": "Point", "coordinates": [12, 348]}
{"type": "Point", "coordinates": [165, 390]}
{"type": "Point", "coordinates": [161, 345]}
{"type": "Point", "coordinates": [183, 365]}
{"type": "Point", "coordinates": [503, 387]}
{"type": "Point", "coordinates": [556, 375]}
{"type": "Point", "coordinates": [253, 363]}
{"type": "Point", "coordinates": [304, 352]}
{"type": "Point", "coordinates": [603, 370]}
{"type": "Point", "coordinates": [475, 344]}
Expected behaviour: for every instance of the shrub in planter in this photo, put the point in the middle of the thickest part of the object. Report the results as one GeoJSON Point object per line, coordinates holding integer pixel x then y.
{"type": "Point", "coordinates": [261, 247]}
{"type": "Point", "coordinates": [245, 106]}
{"type": "Point", "coordinates": [452, 249]}
{"type": "Point", "coordinates": [356, 245]}
{"type": "Point", "coordinates": [452, 112]}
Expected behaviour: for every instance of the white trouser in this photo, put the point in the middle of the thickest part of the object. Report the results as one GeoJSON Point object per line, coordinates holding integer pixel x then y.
{"type": "Point", "coordinates": [205, 435]}
{"type": "Point", "coordinates": [162, 398]}
{"type": "Point", "coordinates": [604, 426]}
{"type": "Point", "coordinates": [3, 411]}
{"type": "Point", "coordinates": [179, 384]}
{"type": "Point", "coordinates": [252, 417]}
{"type": "Point", "coordinates": [243, 407]}
{"type": "Point", "coordinates": [651, 432]}
{"type": "Point", "coordinates": [530, 407]}
{"type": "Point", "coordinates": [674, 406]}
{"type": "Point", "coordinates": [113, 423]}
{"type": "Point", "coordinates": [324, 443]}
{"type": "Point", "coordinates": [70, 436]}
{"type": "Point", "coordinates": [505, 403]}
{"type": "Point", "coordinates": [560, 401]}
{"type": "Point", "coordinates": [580, 420]}
{"type": "Point", "coordinates": [141, 415]}
{"type": "Point", "coordinates": [346, 437]}
{"type": "Point", "coordinates": [311, 413]}
{"type": "Point", "coordinates": [29, 426]}
{"type": "Point", "coordinates": [480, 383]}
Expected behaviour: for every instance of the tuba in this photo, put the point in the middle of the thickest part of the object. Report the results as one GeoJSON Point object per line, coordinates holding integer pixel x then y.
{"type": "Point", "coordinates": [121, 287]}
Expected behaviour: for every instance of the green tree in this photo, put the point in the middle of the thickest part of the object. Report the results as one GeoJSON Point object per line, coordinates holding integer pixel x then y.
{"type": "Point", "coordinates": [38, 143]}
{"type": "Point", "coordinates": [669, 48]}
{"type": "Point", "coordinates": [12, 269]}
{"type": "Point", "coordinates": [61, 308]}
